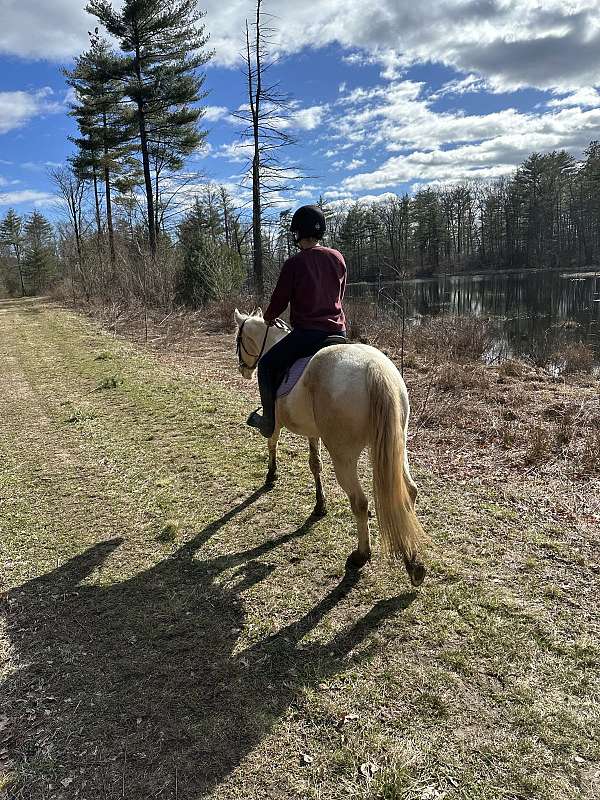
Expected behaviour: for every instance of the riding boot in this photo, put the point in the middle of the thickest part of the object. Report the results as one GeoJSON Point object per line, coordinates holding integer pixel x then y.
{"type": "Point", "coordinates": [267, 384]}
{"type": "Point", "coordinates": [264, 425]}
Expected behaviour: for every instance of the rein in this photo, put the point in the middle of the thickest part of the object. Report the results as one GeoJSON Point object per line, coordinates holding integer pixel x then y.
{"type": "Point", "coordinates": [240, 347]}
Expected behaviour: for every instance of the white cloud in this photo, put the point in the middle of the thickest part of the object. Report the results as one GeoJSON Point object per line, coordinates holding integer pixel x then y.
{"type": "Point", "coordinates": [41, 166]}
{"type": "Point", "coordinates": [308, 118]}
{"type": "Point", "coordinates": [237, 152]}
{"type": "Point", "coordinates": [30, 196]}
{"type": "Point", "coordinates": [56, 30]}
{"type": "Point", "coordinates": [17, 108]}
{"type": "Point", "coordinates": [491, 158]}
{"type": "Point", "coordinates": [429, 145]}
{"type": "Point", "coordinates": [214, 113]}
{"type": "Point", "coordinates": [355, 163]}
{"type": "Point", "coordinates": [586, 97]}
{"type": "Point", "coordinates": [337, 194]}
{"type": "Point", "coordinates": [459, 86]}
{"type": "Point", "coordinates": [509, 43]}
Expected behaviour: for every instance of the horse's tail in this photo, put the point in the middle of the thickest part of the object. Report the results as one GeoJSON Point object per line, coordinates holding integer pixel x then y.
{"type": "Point", "coordinates": [400, 530]}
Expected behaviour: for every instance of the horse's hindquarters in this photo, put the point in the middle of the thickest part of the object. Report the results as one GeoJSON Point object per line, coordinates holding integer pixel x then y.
{"type": "Point", "coordinates": [330, 399]}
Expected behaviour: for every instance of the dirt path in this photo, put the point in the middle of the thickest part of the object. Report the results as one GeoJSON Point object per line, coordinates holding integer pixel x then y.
{"type": "Point", "coordinates": [170, 631]}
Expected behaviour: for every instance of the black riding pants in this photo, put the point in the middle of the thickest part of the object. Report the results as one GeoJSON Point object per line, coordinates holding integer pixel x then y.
{"type": "Point", "coordinates": [273, 365]}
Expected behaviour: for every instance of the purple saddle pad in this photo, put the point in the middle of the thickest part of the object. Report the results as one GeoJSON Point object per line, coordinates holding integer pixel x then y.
{"type": "Point", "coordinates": [293, 376]}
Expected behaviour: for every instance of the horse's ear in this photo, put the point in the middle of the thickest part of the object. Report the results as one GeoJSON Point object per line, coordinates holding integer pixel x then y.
{"type": "Point", "coordinates": [258, 312]}
{"type": "Point", "coordinates": [239, 318]}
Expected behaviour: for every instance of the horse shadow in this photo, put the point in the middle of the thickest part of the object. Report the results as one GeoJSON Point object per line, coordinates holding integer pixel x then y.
{"type": "Point", "coordinates": [142, 687]}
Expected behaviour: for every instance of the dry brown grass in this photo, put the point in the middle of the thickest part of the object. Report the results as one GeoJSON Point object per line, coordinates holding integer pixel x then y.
{"type": "Point", "coordinates": [458, 339]}
{"type": "Point", "coordinates": [511, 368]}
{"type": "Point", "coordinates": [573, 358]}
{"type": "Point", "coordinates": [589, 458]}
{"type": "Point", "coordinates": [453, 377]}
{"type": "Point", "coordinates": [538, 443]}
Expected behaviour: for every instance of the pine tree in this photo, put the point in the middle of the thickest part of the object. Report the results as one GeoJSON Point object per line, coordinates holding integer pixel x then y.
{"type": "Point", "coordinates": [211, 268]}
{"type": "Point", "coordinates": [11, 237]}
{"type": "Point", "coordinates": [104, 126]}
{"type": "Point", "coordinates": [39, 252]}
{"type": "Point", "coordinates": [163, 44]}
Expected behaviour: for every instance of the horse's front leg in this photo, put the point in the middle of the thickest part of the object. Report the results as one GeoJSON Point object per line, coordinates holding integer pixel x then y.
{"type": "Point", "coordinates": [316, 467]}
{"type": "Point", "coordinates": [272, 444]}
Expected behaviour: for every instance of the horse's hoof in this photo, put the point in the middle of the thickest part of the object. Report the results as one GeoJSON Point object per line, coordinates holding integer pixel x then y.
{"type": "Point", "coordinates": [416, 573]}
{"type": "Point", "coordinates": [270, 480]}
{"type": "Point", "coordinates": [319, 512]}
{"type": "Point", "coordinates": [357, 559]}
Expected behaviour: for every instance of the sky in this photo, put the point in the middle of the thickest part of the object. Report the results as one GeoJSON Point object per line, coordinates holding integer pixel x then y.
{"type": "Point", "coordinates": [385, 98]}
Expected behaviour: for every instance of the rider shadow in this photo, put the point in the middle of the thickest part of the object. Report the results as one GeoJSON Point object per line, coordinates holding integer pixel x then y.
{"type": "Point", "coordinates": [129, 689]}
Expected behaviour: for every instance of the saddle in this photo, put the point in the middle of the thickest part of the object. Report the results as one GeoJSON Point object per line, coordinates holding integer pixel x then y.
{"type": "Point", "coordinates": [295, 372]}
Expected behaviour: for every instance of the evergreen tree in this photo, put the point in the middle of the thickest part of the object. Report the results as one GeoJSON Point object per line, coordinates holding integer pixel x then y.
{"type": "Point", "coordinates": [163, 44]}
{"type": "Point", "coordinates": [39, 252]}
{"type": "Point", "coordinates": [105, 127]}
{"type": "Point", "coordinates": [11, 238]}
{"type": "Point", "coordinates": [211, 268]}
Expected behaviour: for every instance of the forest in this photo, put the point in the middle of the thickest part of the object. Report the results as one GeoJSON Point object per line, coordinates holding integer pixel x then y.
{"type": "Point", "coordinates": [135, 224]}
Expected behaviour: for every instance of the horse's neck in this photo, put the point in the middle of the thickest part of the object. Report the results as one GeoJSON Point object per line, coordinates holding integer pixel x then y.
{"type": "Point", "coordinates": [275, 335]}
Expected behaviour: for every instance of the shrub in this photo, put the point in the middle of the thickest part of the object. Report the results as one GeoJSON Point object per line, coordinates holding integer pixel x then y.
{"type": "Point", "coordinates": [453, 338]}
{"type": "Point", "coordinates": [590, 455]}
{"type": "Point", "coordinates": [538, 444]}
{"type": "Point", "coordinates": [577, 357]}
{"type": "Point", "coordinates": [511, 368]}
{"type": "Point", "coordinates": [454, 377]}
{"type": "Point", "coordinates": [360, 320]}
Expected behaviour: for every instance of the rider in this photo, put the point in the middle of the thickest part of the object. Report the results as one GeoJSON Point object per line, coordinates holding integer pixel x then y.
{"type": "Point", "coordinates": [312, 282]}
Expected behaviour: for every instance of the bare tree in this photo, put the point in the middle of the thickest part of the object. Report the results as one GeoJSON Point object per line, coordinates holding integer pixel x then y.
{"type": "Point", "coordinates": [71, 188]}
{"type": "Point", "coordinates": [267, 120]}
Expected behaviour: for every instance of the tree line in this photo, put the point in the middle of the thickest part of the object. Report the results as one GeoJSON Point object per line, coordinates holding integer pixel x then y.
{"type": "Point", "coordinates": [139, 225]}
{"type": "Point", "coordinates": [545, 215]}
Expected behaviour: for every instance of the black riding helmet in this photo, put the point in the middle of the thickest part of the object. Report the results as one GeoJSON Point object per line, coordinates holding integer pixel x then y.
{"type": "Point", "coordinates": [308, 222]}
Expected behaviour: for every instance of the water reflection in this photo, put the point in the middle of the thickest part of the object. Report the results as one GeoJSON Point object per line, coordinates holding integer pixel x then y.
{"type": "Point", "coordinates": [535, 309]}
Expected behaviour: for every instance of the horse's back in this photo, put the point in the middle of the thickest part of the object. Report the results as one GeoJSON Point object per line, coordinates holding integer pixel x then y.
{"type": "Point", "coordinates": [332, 397]}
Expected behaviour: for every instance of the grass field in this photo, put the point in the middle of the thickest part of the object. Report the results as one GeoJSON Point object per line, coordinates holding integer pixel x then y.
{"type": "Point", "coordinates": [170, 630]}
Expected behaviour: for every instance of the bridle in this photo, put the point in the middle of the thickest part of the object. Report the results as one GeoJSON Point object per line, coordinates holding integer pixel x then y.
{"type": "Point", "coordinates": [240, 347]}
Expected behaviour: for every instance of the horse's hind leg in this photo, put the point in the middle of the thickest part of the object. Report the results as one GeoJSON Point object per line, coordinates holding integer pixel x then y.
{"type": "Point", "coordinates": [272, 445]}
{"type": "Point", "coordinates": [347, 475]}
{"type": "Point", "coordinates": [316, 467]}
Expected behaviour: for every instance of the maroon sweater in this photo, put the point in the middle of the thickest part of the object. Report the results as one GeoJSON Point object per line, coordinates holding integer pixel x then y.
{"type": "Point", "coordinates": [313, 283]}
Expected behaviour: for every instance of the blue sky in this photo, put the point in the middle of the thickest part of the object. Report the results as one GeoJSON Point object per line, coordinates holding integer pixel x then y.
{"type": "Point", "coordinates": [384, 101]}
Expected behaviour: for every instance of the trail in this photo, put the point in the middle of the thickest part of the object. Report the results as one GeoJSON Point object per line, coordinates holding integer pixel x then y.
{"type": "Point", "coordinates": [169, 630]}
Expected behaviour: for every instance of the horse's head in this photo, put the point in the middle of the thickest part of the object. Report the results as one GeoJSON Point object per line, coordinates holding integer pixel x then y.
{"type": "Point", "coordinates": [249, 340]}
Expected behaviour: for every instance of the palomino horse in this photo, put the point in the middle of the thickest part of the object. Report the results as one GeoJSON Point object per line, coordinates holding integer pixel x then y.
{"type": "Point", "coordinates": [351, 397]}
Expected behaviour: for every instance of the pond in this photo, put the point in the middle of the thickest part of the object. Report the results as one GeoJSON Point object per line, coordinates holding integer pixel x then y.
{"type": "Point", "coordinates": [535, 310]}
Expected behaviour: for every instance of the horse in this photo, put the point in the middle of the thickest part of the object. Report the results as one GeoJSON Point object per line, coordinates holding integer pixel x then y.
{"type": "Point", "coordinates": [350, 397]}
